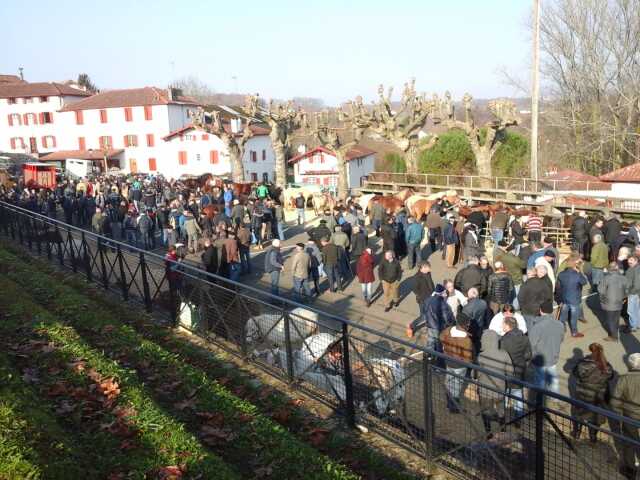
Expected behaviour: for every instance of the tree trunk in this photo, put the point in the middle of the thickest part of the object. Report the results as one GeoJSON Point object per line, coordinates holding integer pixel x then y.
{"type": "Point", "coordinates": [343, 174]}
{"type": "Point", "coordinates": [411, 159]}
{"type": "Point", "coordinates": [237, 169]}
{"type": "Point", "coordinates": [281, 165]}
{"type": "Point", "coordinates": [483, 162]}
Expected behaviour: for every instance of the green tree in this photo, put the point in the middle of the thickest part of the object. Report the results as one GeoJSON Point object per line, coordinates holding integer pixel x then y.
{"type": "Point", "coordinates": [392, 163]}
{"type": "Point", "coordinates": [512, 157]}
{"type": "Point", "coordinates": [450, 154]}
{"type": "Point", "coordinates": [85, 81]}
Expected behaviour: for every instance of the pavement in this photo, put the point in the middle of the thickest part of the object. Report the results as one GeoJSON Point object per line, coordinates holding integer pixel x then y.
{"type": "Point", "coordinates": [349, 304]}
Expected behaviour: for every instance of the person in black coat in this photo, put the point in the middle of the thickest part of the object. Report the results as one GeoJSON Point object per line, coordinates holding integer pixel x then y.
{"type": "Point", "coordinates": [517, 345]}
{"type": "Point", "coordinates": [580, 233]}
{"type": "Point", "coordinates": [470, 276]}
{"type": "Point", "coordinates": [611, 229]}
{"type": "Point", "coordinates": [210, 257]}
{"type": "Point", "coordinates": [358, 243]}
{"type": "Point", "coordinates": [388, 234]}
{"type": "Point", "coordinates": [423, 285]}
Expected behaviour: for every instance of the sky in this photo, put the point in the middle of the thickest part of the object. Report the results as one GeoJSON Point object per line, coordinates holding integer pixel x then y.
{"type": "Point", "coordinates": [329, 49]}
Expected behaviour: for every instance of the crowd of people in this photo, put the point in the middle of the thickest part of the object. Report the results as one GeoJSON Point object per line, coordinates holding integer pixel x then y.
{"type": "Point", "coordinates": [506, 310]}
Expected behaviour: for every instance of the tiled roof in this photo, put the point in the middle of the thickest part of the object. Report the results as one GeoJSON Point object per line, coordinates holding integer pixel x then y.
{"type": "Point", "coordinates": [320, 172]}
{"type": "Point", "coordinates": [130, 97]}
{"type": "Point", "coordinates": [573, 180]}
{"type": "Point", "coordinates": [43, 89]}
{"type": "Point", "coordinates": [256, 129]}
{"type": "Point", "coordinates": [628, 174]}
{"type": "Point", "coordinates": [358, 151]}
{"type": "Point", "coordinates": [81, 154]}
{"type": "Point", "coordinates": [570, 175]}
{"type": "Point", "coordinates": [10, 79]}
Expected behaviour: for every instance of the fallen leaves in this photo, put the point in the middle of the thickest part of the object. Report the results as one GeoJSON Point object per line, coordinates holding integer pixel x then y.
{"type": "Point", "coordinates": [58, 389]}
{"type": "Point", "coordinates": [213, 436]}
{"type": "Point", "coordinates": [281, 416]}
{"type": "Point", "coordinates": [171, 472]}
{"type": "Point", "coordinates": [318, 436]}
{"type": "Point", "coordinates": [189, 403]}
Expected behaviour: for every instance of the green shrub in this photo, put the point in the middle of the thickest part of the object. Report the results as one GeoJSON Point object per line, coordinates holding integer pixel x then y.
{"type": "Point", "coordinates": [512, 157]}
{"type": "Point", "coordinates": [392, 163]}
{"type": "Point", "coordinates": [451, 154]}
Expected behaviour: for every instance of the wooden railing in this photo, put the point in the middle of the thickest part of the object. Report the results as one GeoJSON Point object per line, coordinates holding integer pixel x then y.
{"type": "Point", "coordinates": [507, 184]}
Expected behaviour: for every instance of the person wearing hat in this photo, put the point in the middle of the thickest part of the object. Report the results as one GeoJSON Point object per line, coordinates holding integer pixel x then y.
{"type": "Point", "coordinates": [569, 294]}
{"type": "Point", "coordinates": [237, 212]}
{"type": "Point", "coordinates": [435, 317]}
{"type": "Point", "coordinates": [300, 270]}
{"type": "Point", "coordinates": [274, 265]}
{"type": "Point", "coordinates": [318, 233]}
{"type": "Point", "coordinates": [450, 241]}
{"type": "Point", "coordinates": [365, 273]}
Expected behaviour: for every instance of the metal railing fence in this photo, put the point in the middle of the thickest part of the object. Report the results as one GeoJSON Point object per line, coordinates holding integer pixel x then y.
{"type": "Point", "coordinates": [402, 390]}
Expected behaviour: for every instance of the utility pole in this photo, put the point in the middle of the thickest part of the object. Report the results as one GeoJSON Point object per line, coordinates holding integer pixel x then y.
{"type": "Point", "coordinates": [535, 89]}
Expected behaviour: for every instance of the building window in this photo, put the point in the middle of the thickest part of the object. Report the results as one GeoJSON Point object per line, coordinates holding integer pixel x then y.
{"type": "Point", "coordinates": [311, 159]}
{"type": "Point", "coordinates": [105, 142]}
{"type": "Point", "coordinates": [15, 119]}
{"type": "Point", "coordinates": [254, 156]}
{"type": "Point", "coordinates": [213, 157]}
{"type": "Point", "coordinates": [82, 144]}
{"type": "Point", "coordinates": [191, 138]}
{"type": "Point", "coordinates": [264, 155]}
{"type": "Point", "coordinates": [46, 117]}
{"type": "Point", "coordinates": [133, 165]}
{"type": "Point", "coordinates": [128, 114]}
{"type": "Point", "coordinates": [103, 116]}
{"type": "Point", "coordinates": [150, 140]}
{"type": "Point", "coordinates": [44, 99]}
{"type": "Point", "coordinates": [321, 158]}
{"type": "Point", "coordinates": [11, 101]}
{"type": "Point", "coordinates": [152, 165]}
{"type": "Point", "coordinates": [205, 136]}
{"type": "Point", "coordinates": [148, 112]}
{"type": "Point", "coordinates": [265, 177]}
{"type": "Point", "coordinates": [359, 162]}
{"type": "Point", "coordinates": [30, 118]}
{"type": "Point", "coordinates": [182, 157]}
{"type": "Point", "coordinates": [79, 117]}
{"type": "Point", "coordinates": [28, 100]}
{"type": "Point", "coordinates": [254, 177]}
{"type": "Point", "coordinates": [49, 141]}
{"type": "Point", "coordinates": [17, 142]}
{"type": "Point", "coordinates": [130, 140]}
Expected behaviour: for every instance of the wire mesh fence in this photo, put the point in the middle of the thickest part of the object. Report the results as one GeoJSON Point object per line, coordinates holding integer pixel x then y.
{"type": "Point", "coordinates": [426, 402]}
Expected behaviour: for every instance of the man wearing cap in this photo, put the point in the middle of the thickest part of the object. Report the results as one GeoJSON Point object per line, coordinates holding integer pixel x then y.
{"type": "Point", "coordinates": [300, 271]}
{"type": "Point", "coordinates": [318, 233]}
{"type": "Point", "coordinates": [390, 273]}
{"type": "Point", "coordinates": [450, 241]}
{"type": "Point", "coordinates": [546, 260]}
{"type": "Point", "coordinates": [435, 317]}
{"type": "Point", "coordinates": [330, 261]}
{"type": "Point", "coordinates": [237, 212]}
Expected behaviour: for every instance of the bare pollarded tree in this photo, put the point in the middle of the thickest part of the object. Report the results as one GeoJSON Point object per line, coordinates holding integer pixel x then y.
{"type": "Point", "coordinates": [399, 126]}
{"type": "Point", "coordinates": [284, 120]}
{"type": "Point", "coordinates": [484, 140]}
{"type": "Point", "coordinates": [234, 141]}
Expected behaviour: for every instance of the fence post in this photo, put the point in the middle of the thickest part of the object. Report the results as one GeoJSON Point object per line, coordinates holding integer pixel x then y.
{"type": "Point", "coordinates": [34, 232]}
{"type": "Point", "coordinates": [12, 225]}
{"type": "Point", "coordinates": [103, 265]}
{"type": "Point", "coordinates": [123, 278]}
{"type": "Point", "coordinates": [539, 435]}
{"type": "Point", "coordinates": [427, 396]}
{"type": "Point", "coordinates": [348, 379]}
{"type": "Point", "coordinates": [145, 282]}
{"type": "Point", "coordinates": [48, 241]}
{"type": "Point", "coordinates": [287, 345]}
{"type": "Point", "coordinates": [85, 257]}
{"type": "Point", "coordinates": [72, 250]}
{"type": "Point", "coordinates": [59, 243]}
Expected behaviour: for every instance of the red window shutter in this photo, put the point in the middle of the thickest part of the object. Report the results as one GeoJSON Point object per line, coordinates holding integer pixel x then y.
{"type": "Point", "coordinates": [213, 157]}
{"type": "Point", "coordinates": [152, 164]}
{"type": "Point", "coordinates": [109, 142]}
{"type": "Point", "coordinates": [82, 145]}
{"type": "Point", "coordinates": [53, 138]}
{"type": "Point", "coordinates": [10, 117]}
{"type": "Point", "coordinates": [126, 141]}
{"type": "Point", "coordinates": [50, 117]}
{"type": "Point", "coordinates": [44, 141]}
{"type": "Point", "coordinates": [25, 119]}
{"type": "Point", "coordinates": [182, 157]}
{"type": "Point", "coordinates": [41, 117]}
{"type": "Point", "coordinates": [103, 116]}
{"type": "Point", "coordinates": [79, 117]}
{"type": "Point", "coordinates": [148, 112]}
{"type": "Point", "coordinates": [150, 140]}
{"type": "Point", "coordinates": [205, 136]}
{"type": "Point", "coordinates": [13, 144]}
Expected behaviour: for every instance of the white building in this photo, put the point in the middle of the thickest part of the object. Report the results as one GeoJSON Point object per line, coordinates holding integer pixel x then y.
{"type": "Point", "coordinates": [134, 120]}
{"type": "Point", "coordinates": [319, 166]}
{"type": "Point", "coordinates": [191, 150]}
{"type": "Point", "coordinates": [30, 121]}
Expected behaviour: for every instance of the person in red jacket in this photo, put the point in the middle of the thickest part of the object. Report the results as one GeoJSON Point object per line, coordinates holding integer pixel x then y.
{"type": "Point", "coordinates": [366, 277]}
